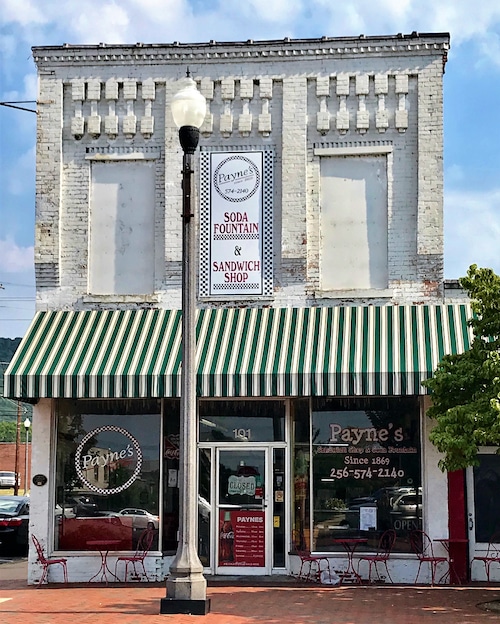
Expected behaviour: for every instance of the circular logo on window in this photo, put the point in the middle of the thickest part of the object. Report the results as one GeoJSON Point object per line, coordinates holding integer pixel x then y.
{"type": "Point", "coordinates": [111, 464]}
{"type": "Point", "coordinates": [236, 178]}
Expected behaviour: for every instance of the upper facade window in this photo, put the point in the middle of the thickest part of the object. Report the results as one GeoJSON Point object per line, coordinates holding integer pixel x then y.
{"type": "Point", "coordinates": [121, 241]}
{"type": "Point", "coordinates": [353, 225]}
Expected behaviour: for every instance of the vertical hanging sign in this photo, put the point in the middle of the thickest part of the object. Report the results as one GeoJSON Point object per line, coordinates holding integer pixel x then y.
{"type": "Point", "coordinates": [235, 224]}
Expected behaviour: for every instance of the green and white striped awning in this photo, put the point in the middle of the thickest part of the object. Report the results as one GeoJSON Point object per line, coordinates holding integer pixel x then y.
{"type": "Point", "coordinates": [338, 351]}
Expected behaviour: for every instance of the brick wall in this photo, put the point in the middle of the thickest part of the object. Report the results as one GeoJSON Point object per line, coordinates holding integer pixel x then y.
{"type": "Point", "coordinates": [8, 460]}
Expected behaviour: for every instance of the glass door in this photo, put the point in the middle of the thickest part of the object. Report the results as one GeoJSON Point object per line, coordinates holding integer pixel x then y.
{"type": "Point", "coordinates": [483, 510]}
{"type": "Point", "coordinates": [243, 532]}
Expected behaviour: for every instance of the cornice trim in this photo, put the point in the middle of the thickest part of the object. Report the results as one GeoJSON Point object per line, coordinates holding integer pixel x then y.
{"type": "Point", "coordinates": [397, 45]}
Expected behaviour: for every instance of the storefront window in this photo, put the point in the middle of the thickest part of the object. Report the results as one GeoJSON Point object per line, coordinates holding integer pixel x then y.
{"type": "Point", "coordinates": [366, 474]}
{"type": "Point", "coordinates": [279, 505]}
{"type": "Point", "coordinates": [171, 460]}
{"type": "Point", "coordinates": [107, 473]}
{"type": "Point", "coordinates": [486, 499]}
{"type": "Point", "coordinates": [242, 421]}
{"type": "Point", "coordinates": [300, 410]}
{"type": "Point", "coordinates": [204, 505]}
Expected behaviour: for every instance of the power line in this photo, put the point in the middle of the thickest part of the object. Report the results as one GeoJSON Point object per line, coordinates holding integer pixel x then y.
{"type": "Point", "coordinates": [18, 319]}
{"type": "Point", "coordinates": [21, 285]}
{"type": "Point", "coordinates": [23, 108]}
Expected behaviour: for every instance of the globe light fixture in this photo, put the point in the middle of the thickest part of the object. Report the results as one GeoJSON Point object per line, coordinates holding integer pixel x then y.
{"type": "Point", "coordinates": [188, 105]}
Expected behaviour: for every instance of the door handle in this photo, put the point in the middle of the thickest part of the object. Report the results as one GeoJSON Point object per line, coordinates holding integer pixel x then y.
{"type": "Point", "coordinates": [471, 522]}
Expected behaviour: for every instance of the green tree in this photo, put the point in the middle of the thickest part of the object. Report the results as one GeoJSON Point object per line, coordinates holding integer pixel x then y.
{"type": "Point", "coordinates": [8, 347]}
{"type": "Point", "coordinates": [8, 430]}
{"type": "Point", "coordinates": [465, 387]}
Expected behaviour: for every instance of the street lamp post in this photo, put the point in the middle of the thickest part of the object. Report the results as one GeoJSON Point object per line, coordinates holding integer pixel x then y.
{"type": "Point", "coordinates": [186, 585]}
{"type": "Point", "coordinates": [27, 425]}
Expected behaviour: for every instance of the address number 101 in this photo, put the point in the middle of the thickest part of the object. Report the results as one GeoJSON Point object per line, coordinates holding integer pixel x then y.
{"type": "Point", "coordinates": [242, 434]}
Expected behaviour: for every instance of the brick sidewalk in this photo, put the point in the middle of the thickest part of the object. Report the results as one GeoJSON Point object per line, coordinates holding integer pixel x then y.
{"type": "Point", "coordinates": [139, 604]}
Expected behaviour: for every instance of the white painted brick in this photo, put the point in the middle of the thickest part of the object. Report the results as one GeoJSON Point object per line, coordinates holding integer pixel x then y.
{"type": "Point", "coordinates": [246, 88]}
{"type": "Point", "coordinates": [401, 83]}
{"type": "Point", "coordinates": [381, 83]}
{"type": "Point", "coordinates": [130, 124]}
{"type": "Point", "coordinates": [266, 88]}
{"type": "Point", "coordinates": [78, 89]}
{"type": "Point", "coordinates": [94, 90]}
{"type": "Point", "coordinates": [130, 89]}
{"type": "Point", "coordinates": [111, 89]}
{"type": "Point", "coordinates": [323, 86]}
{"type": "Point", "coordinates": [147, 125]}
{"type": "Point", "coordinates": [362, 84]}
{"type": "Point", "coordinates": [342, 84]}
{"type": "Point", "coordinates": [111, 124]}
{"type": "Point", "coordinates": [294, 124]}
{"type": "Point", "coordinates": [207, 88]}
{"type": "Point", "coordinates": [227, 89]}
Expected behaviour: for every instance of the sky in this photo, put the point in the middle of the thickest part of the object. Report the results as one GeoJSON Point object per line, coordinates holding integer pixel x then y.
{"type": "Point", "coordinates": [471, 95]}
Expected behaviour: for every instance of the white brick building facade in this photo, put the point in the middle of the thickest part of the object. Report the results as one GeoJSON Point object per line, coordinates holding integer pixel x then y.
{"type": "Point", "coordinates": [352, 130]}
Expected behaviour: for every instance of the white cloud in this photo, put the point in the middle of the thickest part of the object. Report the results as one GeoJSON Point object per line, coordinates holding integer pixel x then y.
{"type": "Point", "coordinates": [464, 19]}
{"type": "Point", "coordinates": [472, 220]}
{"type": "Point", "coordinates": [30, 82]}
{"type": "Point", "coordinates": [275, 11]}
{"type": "Point", "coordinates": [7, 45]}
{"type": "Point", "coordinates": [15, 259]}
{"type": "Point", "coordinates": [106, 22]}
{"type": "Point", "coordinates": [489, 45]}
{"type": "Point", "coordinates": [23, 12]}
{"type": "Point", "coordinates": [27, 90]}
{"type": "Point", "coordinates": [128, 21]}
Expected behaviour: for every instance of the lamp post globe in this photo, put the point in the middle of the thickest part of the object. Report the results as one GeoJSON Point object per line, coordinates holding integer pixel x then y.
{"type": "Point", "coordinates": [186, 586]}
{"type": "Point", "coordinates": [188, 105]}
{"type": "Point", "coordinates": [189, 108]}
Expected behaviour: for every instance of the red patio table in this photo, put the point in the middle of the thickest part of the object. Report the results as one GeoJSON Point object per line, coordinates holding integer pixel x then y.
{"type": "Point", "coordinates": [350, 544]}
{"type": "Point", "coordinates": [447, 542]}
{"type": "Point", "coordinates": [103, 546]}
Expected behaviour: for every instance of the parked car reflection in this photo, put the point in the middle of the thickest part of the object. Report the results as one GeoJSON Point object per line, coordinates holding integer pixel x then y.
{"type": "Point", "coordinates": [78, 505]}
{"type": "Point", "coordinates": [406, 511]}
{"type": "Point", "coordinates": [408, 503]}
{"type": "Point", "coordinates": [8, 479]}
{"type": "Point", "coordinates": [14, 521]}
{"type": "Point", "coordinates": [141, 519]}
{"type": "Point", "coordinates": [397, 507]}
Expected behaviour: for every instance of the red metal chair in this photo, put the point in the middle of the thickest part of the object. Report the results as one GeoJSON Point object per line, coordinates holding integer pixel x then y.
{"type": "Point", "coordinates": [492, 555]}
{"type": "Point", "coordinates": [46, 563]}
{"type": "Point", "coordinates": [421, 545]}
{"type": "Point", "coordinates": [310, 565]}
{"type": "Point", "coordinates": [143, 547]}
{"type": "Point", "coordinates": [385, 545]}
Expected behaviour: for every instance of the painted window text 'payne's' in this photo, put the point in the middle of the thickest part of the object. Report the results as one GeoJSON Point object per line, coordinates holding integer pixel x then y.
{"type": "Point", "coordinates": [104, 460]}
{"type": "Point", "coordinates": [355, 435]}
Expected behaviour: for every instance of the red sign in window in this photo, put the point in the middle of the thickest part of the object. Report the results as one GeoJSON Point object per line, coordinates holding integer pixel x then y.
{"type": "Point", "coordinates": [242, 538]}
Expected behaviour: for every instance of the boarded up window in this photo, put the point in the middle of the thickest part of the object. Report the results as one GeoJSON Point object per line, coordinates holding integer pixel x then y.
{"type": "Point", "coordinates": [121, 254]}
{"type": "Point", "coordinates": [353, 225]}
